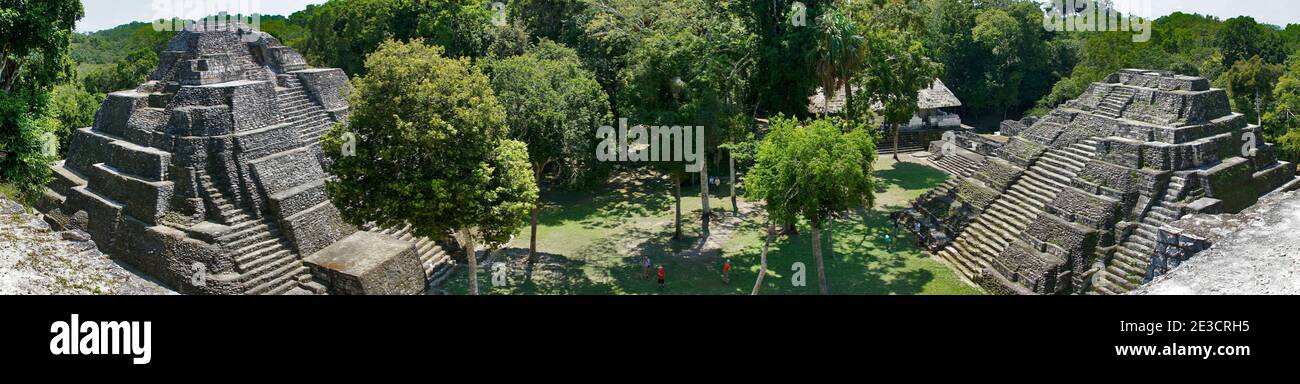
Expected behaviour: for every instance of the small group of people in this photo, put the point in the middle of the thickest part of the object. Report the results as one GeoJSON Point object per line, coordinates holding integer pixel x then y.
{"type": "Point", "coordinates": [661, 274]}
{"type": "Point", "coordinates": [659, 271]}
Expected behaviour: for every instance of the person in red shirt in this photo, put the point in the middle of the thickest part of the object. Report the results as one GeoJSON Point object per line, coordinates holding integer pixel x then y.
{"type": "Point", "coordinates": [726, 271]}
{"type": "Point", "coordinates": [661, 276]}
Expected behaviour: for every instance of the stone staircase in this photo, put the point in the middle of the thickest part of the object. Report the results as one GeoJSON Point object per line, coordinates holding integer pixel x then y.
{"type": "Point", "coordinates": [264, 260]}
{"type": "Point", "coordinates": [300, 111]}
{"type": "Point", "coordinates": [957, 165]}
{"type": "Point", "coordinates": [1129, 264]}
{"type": "Point", "coordinates": [1014, 210]}
{"type": "Point", "coordinates": [436, 261]}
{"type": "Point", "coordinates": [1114, 103]}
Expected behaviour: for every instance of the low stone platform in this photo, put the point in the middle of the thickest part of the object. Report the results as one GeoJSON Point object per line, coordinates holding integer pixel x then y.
{"type": "Point", "coordinates": [368, 263]}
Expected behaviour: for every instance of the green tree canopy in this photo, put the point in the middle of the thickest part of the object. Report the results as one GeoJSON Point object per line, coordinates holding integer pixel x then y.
{"type": "Point", "coordinates": [34, 57]}
{"type": "Point", "coordinates": [810, 172]}
{"type": "Point", "coordinates": [342, 32]}
{"type": "Point", "coordinates": [431, 150]}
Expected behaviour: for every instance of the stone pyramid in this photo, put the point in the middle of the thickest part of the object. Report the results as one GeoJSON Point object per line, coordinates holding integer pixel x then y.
{"type": "Point", "coordinates": [1079, 200]}
{"type": "Point", "coordinates": [209, 177]}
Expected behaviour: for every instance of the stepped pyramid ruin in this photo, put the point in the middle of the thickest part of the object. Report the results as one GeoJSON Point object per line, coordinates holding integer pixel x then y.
{"type": "Point", "coordinates": [1079, 202]}
{"type": "Point", "coordinates": [209, 177]}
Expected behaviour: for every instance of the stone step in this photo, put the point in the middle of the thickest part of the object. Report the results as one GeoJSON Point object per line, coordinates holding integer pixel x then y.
{"type": "Point", "coordinates": [243, 231]}
{"type": "Point", "coordinates": [1061, 175]}
{"type": "Point", "coordinates": [1064, 160]}
{"type": "Point", "coordinates": [255, 251]}
{"type": "Point", "coordinates": [992, 237]}
{"type": "Point", "coordinates": [314, 287]}
{"type": "Point", "coordinates": [1128, 262]}
{"type": "Point", "coordinates": [1004, 222]}
{"type": "Point", "coordinates": [1101, 286]}
{"type": "Point", "coordinates": [272, 275]}
{"type": "Point", "coordinates": [1036, 194]}
{"type": "Point", "coordinates": [958, 261]}
{"type": "Point", "coordinates": [1030, 207]}
{"type": "Point", "coordinates": [252, 238]}
{"type": "Point", "coordinates": [265, 259]}
{"type": "Point", "coordinates": [1008, 207]}
{"type": "Point", "coordinates": [281, 283]}
{"type": "Point", "coordinates": [1118, 284]}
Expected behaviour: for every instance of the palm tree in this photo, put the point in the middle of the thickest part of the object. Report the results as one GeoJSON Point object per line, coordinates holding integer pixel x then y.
{"type": "Point", "coordinates": [841, 49]}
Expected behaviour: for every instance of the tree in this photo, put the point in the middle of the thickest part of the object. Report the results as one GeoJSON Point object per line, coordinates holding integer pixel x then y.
{"type": "Point", "coordinates": [1241, 38]}
{"type": "Point", "coordinates": [999, 33]}
{"type": "Point", "coordinates": [1282, 123]}
{"type": "Point", "coordinates": [34, 56]}
{"type": "Point", "coordinates": [688, 64]}
{"type": "Point", "coordinates": [554, 105]}
{"type": "Point", "coordinates": [73, 108]}
{"type": "Point", "coordinates": [811, 172]}
{"type": "Point", "coordinates": [787, 54]}
{"type": "Point", "coordinates": [895, 69]}
{"type": "Point", "coordinates": [342, 32]}
{"type": "Point", "coordinates": [431, 150]}
{"type": "Point", "coordinates": [840, 52]}
{"type": "Point", "coordinates": [1250, 84]}
{"type": "Point", "coordinates": [126, 74]}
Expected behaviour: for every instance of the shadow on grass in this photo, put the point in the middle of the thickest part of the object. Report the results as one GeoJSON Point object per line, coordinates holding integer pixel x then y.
{"type": "Point", "coordinates": [910, 176]}
{"type": "Point", "coordinates": [602, 208]}
{"type": "Point", "coordinates": [862, 263]}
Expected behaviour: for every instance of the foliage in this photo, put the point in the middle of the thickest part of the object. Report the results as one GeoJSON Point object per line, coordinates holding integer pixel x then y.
{"type": "Point", "coordinates": [73, 108]}
{"type": "Point", "coordinates": [811, 171]}
{"type": "Point", "coordinates": [431, 148]}
{"type": "Point", "coordinates": [111, 46]}
{"type": "Point", "coordinates": [126, 74]}
{"type": "Point", "coordinates": [554, 105]}
{"type": "Point", "coordinates": [342, 32]}
{"type": "Point", "coordinates": [896, 67]}
{"type": "Point", "coordinates": [1241, 38]}
{"type": "Point", "coordinates": [1250, 86]}
{"type": "Point", "coordinates": [1282, 123]}
{"type": "Point", "coordinates": [33, 58]}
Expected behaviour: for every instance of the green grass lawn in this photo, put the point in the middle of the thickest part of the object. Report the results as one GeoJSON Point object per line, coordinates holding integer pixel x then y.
{"type": "Point", "coordinates": [593, 243]}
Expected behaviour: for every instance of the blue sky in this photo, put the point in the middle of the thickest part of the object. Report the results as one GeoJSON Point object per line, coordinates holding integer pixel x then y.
{"type": "Point", "coordinates": [102, 14]}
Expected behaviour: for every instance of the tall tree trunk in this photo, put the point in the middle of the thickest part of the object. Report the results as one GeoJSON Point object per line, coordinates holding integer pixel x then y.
{"type": "Point", "coordinates": [677, 221]}
{"type": "Point", "coordinates": [848, 102]}
{"type": "Point", "coordinates": [705, 211]}
{"type": "Point", "coordinates": [762, 266]}
{"type": "Point", "coordinates": [732, 182]}
{"type": "Point", "coordinates": [830, 239]}
{"type": "Point", "coordinates": [467, 240]}
{"type": "Point", "coordinates": [896, 129]}
{"type": "Point", "coordinates": [532, 236]}
{"type": "Point", "coordinates": [817, 258]}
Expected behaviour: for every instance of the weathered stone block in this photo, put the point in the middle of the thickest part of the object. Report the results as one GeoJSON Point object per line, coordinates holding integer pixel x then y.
{"type": "Point", "coordinates": [145, 200]}
{"type": "Point", "coordinates": [315, 228]}
{"type": "Point", "coordinates": [115, 114]}
{"type": "Point", "coordinates": [367, 263]}
{"type": "Point", "coordinates": [327, 86]}
{"type": "Point", "coordinates": [259, 143]}
{"type": "Point", "coordinates": [298, 199]}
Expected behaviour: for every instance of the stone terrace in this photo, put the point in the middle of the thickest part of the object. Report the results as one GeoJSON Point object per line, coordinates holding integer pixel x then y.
{"type": "Point", "coordinates": [1075, 201]}
{"type": "Point", "coordinates": [209, 177]}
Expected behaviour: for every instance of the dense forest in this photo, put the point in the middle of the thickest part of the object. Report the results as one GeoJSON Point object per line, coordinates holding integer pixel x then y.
{"type": "Point", "coordinates": [719, 62]}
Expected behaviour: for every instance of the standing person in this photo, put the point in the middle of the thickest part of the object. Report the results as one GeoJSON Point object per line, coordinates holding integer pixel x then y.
{"type": "Point", "coordinates": [726, 271]}
{"type": "Point", "coordinates": [662, 275]}
{"type": "Point", "coordinates": [645, 268]}
{"type": "Point", "coordinates": [889, 243]}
